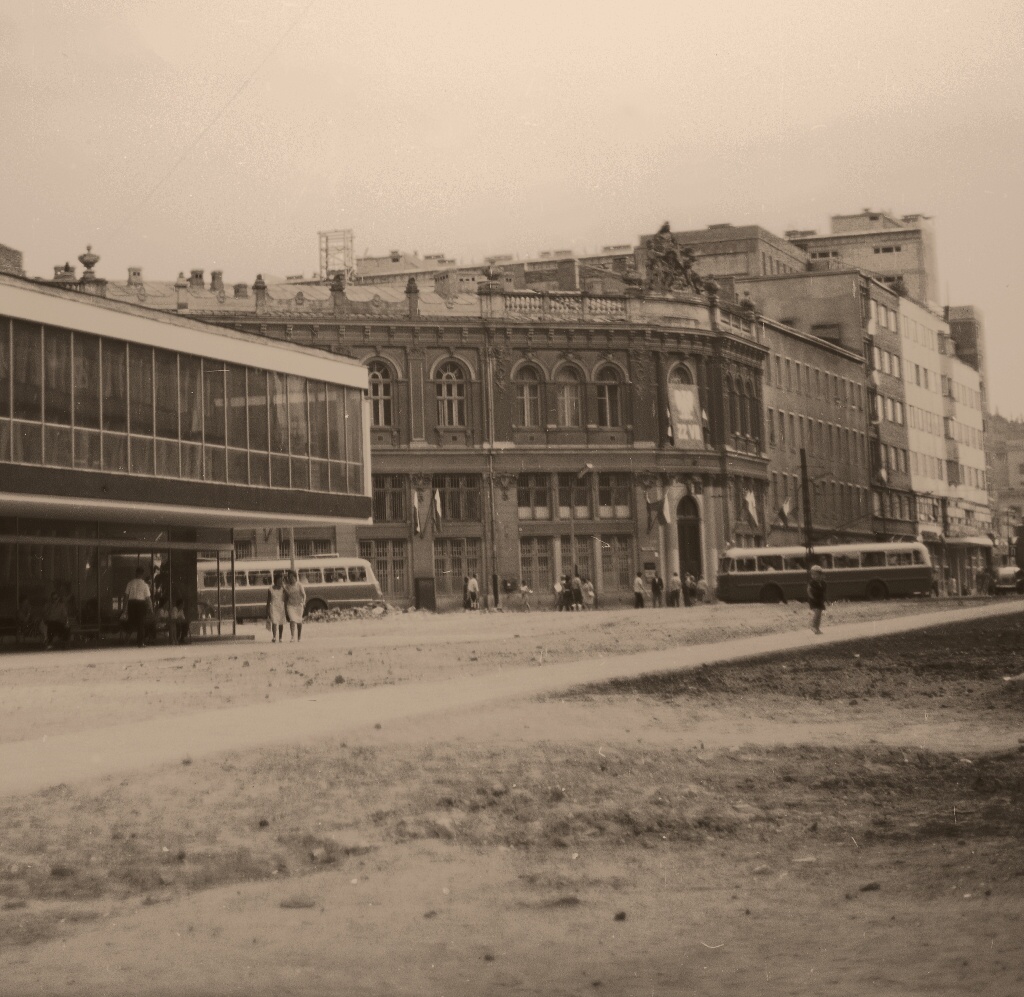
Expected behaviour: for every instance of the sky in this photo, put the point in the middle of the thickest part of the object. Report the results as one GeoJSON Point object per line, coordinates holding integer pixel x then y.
{"type": "Point", "coordinates": [174, 135]}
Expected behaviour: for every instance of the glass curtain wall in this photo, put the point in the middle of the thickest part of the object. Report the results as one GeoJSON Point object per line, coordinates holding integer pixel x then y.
{"type": "Point", "coordinates": [71, 399]}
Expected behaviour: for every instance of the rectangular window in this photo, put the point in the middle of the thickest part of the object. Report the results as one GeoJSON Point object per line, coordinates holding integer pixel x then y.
{"type": "Point", "coordinates": [455, 558]}
{"type": "Point", "coordinates": [390, 498]}
{"type": "Point", "coordinates": [613, 496]}
{"type": "Point", "coordinates": [115, 387]}
{"type": "Point", "coordinates": [28, 372]}
{"type": "Point", "coordinates": [390, 564]}
{"type": "Point", "coordinates": [575, 490]}
{"type": "Point", "coordinates": [534, 496]}
{"type": "Point", "coordinates": [298, 417]}
{"type": "Point", "coordinates": [166, 383]}
{"type": "Point", "coordinates": [140, 390]}
{"type": "Point", "coordinates": [460, 497]}
{"type": "Point", "coordinates": [582, 560]}
{"type": "Point", "coordinates": [536, 566]}
{"type": "Point", "coordinates": [616, 564]}
{"type": "Point", "coordinates": [771, 427]}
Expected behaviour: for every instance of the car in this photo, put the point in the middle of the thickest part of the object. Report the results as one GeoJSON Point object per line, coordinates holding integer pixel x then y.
{"type": "Point", "coordinates": [1008, 579]}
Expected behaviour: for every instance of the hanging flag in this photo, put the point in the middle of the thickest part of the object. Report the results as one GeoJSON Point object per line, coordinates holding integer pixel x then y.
{"type": "Point", "coordinates": [751, 502]}
{"type": "Point", "coordinates": [666, 511]}
{"type": "Point", "coordinates": [437, 507]}
{"type": "Point", "coordinates": [671, 433]}
{"type": "Point", "coordinates": [684, 414]}
{"type": "Point", "coordinates": [787, 507]}
{"type": "Point", "coordinates": [417, 526]}
{"type": "Point", "coordinates": [652, 511]}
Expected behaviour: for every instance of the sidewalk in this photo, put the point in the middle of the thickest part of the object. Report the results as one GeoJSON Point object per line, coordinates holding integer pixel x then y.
{"type": "Point", "coordinates": [28, 766]}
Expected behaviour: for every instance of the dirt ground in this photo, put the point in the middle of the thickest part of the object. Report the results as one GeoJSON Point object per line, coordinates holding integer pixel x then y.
{"type": "Point", "coordinates": [847, 821]}
{"type": "Point", "coordinates": [47, 693]}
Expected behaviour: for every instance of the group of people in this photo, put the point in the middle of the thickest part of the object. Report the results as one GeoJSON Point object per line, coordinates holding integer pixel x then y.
{"type": "Point", "coordinates": [686, 590]}
{"type": "Point", "coordinates": [141, 617]}
{"type": "Point", "coordinates": [574, 593]}
{"type": "Point", "coordinates": [286, 604]}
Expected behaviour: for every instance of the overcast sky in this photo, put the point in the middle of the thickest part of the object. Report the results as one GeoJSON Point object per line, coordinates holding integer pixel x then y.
{"type": "Point", "coordinates": [477, 128]}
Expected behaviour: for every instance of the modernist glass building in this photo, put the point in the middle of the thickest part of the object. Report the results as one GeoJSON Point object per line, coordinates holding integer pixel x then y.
{"type": "Point", "coordinates": [130, 437]}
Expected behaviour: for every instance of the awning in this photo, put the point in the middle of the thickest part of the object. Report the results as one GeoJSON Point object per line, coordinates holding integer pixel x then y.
{"type": "Point", "coordinates": [969, 542]}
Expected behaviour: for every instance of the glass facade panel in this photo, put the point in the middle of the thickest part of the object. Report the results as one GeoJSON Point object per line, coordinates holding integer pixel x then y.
{"type": "Point", "coordinates": [28, 372]}
{"type": "Point", "coordinates": [115, 386]}
{"type": "Point", "coordinates": [126, 408]}
{"type": "Point", "coordinates": [298, 422]}
{"type": "Point", "coordinates": [238, 435]}
{"type": "Point", "coordinates": [166, 382]}
{"type": "Point", "coordinates": [57, 351]}
{"type": "Point", "coordinates": [87, 381]}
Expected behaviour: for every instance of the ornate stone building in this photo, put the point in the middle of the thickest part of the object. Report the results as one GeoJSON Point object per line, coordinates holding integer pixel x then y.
{"type": "Point", "coordinates": [517, 434]}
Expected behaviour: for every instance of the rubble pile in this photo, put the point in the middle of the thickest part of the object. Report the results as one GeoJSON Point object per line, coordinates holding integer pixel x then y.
{"type": "Point", "coordinates": [356, 613]}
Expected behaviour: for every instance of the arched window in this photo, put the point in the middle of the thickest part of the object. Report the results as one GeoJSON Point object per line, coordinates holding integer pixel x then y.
{"type": "Point", "coordinates": [755, 411]}
{"type": "Point", "coordinates": [733, 406]}
{"type": "Point", "coordinates": [744, 426]}
{"type": "Point", "coordinates": [527, 412]}
{"type": "Point", "coordinates": [567, 398]}
{"type": "Point", "coordinates": [609, 409]}
{"type": "Point", "coordinates": [680, 375]}
{"type": "Point", "coordinates": [451, 395]}
{"type": "Point", "coordinates": [381, 410]}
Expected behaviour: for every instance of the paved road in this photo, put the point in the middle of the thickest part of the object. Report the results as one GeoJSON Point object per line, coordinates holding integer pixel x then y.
{"type": "Point", "coordinates": [27, 766]}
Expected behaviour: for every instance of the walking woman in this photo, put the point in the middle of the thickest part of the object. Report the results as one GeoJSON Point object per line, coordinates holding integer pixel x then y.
{"type": "Point", "coordinates": [294, 605]}
{"type": "Point", "coordinates": [276, 615]}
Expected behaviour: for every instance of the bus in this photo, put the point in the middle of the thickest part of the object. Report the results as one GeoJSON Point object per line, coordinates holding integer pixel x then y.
{"type": "Point", "coordinates": [330, 581]}
{"type": "Point", "coordinates": [852, 571]}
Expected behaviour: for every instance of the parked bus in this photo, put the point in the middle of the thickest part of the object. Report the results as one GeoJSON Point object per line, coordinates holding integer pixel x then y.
{"type": "Point", "coordinates": [852, 571]}
{"type": "Point", "coordinates": [331, 582]}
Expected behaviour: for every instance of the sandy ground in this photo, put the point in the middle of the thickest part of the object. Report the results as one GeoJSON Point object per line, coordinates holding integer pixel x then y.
{"type": "Point", "coordinates": [790, 827]}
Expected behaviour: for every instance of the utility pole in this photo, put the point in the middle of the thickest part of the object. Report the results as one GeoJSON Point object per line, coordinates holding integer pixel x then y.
{"type": "Point", "coordinates": [805, 481]}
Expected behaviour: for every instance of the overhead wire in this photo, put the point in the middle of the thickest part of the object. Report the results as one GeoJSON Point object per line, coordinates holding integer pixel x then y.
{"type": "Point", "coordinates": [190, 146]}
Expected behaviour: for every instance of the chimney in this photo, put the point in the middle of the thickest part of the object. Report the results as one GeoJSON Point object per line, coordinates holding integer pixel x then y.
{"type": "Point", "coordinates": [195, 280]}
{"type": "Point", "coordinates": [181, 289]}
{"type": "Point", "coordinates": [259, 290]}
{"type": "Point", "coordinates": [242, 290]}
{"type": "Point", "coordinates": [216, 280]}
{"type": "Point", "coordinates": [396, 256]}
{"type": "Point", "coordinates": [412, 292]}
{"type": "Point", "coordinates": [134, 276]}
{"type": "Point", "coordinates": [64, 274]}
{"type": "Point", "coordinates": [338, 300]}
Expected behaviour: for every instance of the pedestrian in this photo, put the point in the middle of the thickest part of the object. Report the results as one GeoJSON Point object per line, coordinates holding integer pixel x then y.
{"type": "Point", "coordinates": [816, 591]}
{"type": "Point", "coordinates": [567, 593]}
{"type": "Point", "coordinates": [465, 592]}
{"type": "Point", "coordinates": [700, 590]}
{"type": "Point", "coordinates": [179, 623]}
{"type": "Point", "coordinates": [277, 617]}
{"type": "Point", "coordinates": [294, 604]}
{"type": "Point", "coordinates": [639, 591]}
{"type": "Point", "coordinates": [577, 592]}
{"type": "Point", "coordinates": [689, 589]}
{"type": "Point", "coordinates": [139, 607]}
{"type": "Point", "coordinates": [55, 620]}
{"type": "Point", "coordinates": [675, 589]}
{"type": "Point", "coordinates": [589, 595]}
{"type": "Point", "coordinates": [524, 595]}
{"type": "Point", "coordinates": [657, 587]}
{"type": "Point", "coordinates": [473, 591]}
{"type": "Point", "coordinates": [558, 595]}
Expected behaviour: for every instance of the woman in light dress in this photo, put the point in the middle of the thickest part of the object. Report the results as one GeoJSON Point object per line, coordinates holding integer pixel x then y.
{"type": "Point", "coordinates": [294, 604]}
{"type": "Point", "coordinates": [276, 614]}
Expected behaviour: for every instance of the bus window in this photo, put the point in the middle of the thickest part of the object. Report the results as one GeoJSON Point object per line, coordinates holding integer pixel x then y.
{"type": "Point", "coordinates": [261, 578]}
{"type": "Point", "coordinates": [896, 557]}
{"type": "Point", "coordinates": [309, 575]}
{"type": "Point", "coordinates": [918, 556]}
{"type": "Point", "coordinates": [210, 579]}
{"type": "Point", "coordinates": [357, 574]}
{"type": "Point", "coordinates": [335, 575]}
{"type": "Point", "coordinates": [873, 559]}
{"type": "Point", "coordinates": [240, 579]}
{"type": "Point", "coordinates": [822, 560]}
{"type": "Point", "coordinates": [745, 564]}
{"type": "Point", "coordinates": [724, 565]}
{"type": "Point", "coordinates": [795, 562]}
{"type": "Point", "coordinates": [846, 560]}
{"type": "Point", "coordinates": [770, 562]}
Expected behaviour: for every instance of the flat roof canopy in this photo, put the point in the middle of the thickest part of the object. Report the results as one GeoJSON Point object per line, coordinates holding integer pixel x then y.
{"type": "Point", "coordinates": [51, 506]}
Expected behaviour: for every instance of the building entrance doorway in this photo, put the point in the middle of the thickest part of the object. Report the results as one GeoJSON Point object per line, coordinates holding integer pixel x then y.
{"type": "Point", "coordinates": [688, 523]}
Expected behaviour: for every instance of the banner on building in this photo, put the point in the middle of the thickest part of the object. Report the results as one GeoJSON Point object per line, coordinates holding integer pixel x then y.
{"type": "Point", "coordinates": [684, 415]}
